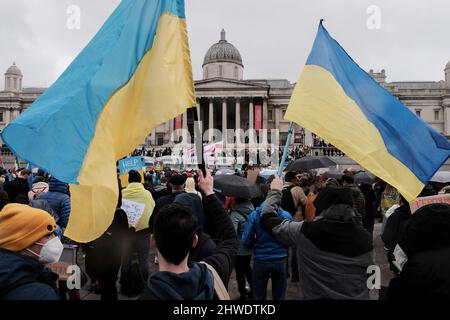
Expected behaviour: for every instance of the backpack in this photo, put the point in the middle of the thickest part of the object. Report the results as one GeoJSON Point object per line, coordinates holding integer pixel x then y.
{"type": "Point", "coordinates": [220, 291]}
{"type": "Point", "coordinates": [287, 201]}
{"type": "Point", "coordinates": [131, 281]}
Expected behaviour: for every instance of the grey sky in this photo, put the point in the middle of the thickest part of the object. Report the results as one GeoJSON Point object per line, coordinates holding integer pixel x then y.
{"type": "Point", "coordinates": [274, 37]}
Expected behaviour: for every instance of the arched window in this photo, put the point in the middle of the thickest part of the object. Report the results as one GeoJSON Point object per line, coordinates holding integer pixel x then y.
{"type": "Point", "coordinates": [220, 71]}
{"type": "Point", "coordinates": [236, 72]}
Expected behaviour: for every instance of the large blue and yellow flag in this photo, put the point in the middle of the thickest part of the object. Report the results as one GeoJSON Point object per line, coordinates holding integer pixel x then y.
{"type": "Point", "coordinates": [341, 103]}
{"type": "Point", "coordinates": [134, 75]}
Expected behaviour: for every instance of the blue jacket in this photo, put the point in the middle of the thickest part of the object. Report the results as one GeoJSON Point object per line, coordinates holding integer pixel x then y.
{"type": "Point", "coordinates": [59, 200]}
{"type": "Point", "coordinates": [16, 269]}
{"type": "Point", "coordinates": [265, 247]}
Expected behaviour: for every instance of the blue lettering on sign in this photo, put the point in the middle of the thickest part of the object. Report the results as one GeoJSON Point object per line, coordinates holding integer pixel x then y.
{"type": "Point", "coordinates": [134, 163]}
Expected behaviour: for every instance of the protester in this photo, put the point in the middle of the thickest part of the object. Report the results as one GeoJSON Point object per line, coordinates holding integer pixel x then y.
{"type": "Point", "coordinates": [425, 245]}
{"type": "Point", "coordinates": [239, 215]}
{"type": "Point", "coordinates": [332, 242]}
{"type": "Point", "coordinates": [27, 243]}
{"type": "Point", "coordinates": [369, 201]}
{"type": "Point", "coordinates": [178, 185]}
{"type": "Point", "coordinates": [359, 204]}
{"type": "Point", "coordinates": [394, 230]}
{"type": "Point", "coordinates": [310, 209]}
{"type": "Point", "coordinates": [135, 194]}
{"type": "Point", "coordinates": [59, 200]}
{"type": "Point", "coordinates": [190, 187]}
{"type": "Point", "coordinates": [205, 246]}
{"type": "Point", "coordinates": [174, 237]}
{"type": "Point", "coordinates": [293, 201]}
{"type": "Point", "coordinates": [18, 188]}
{"type": "Point", "coordinates": [4, 199]}
{"type": "Point", "coordinates": [39, 186]}
{"type": "Point", "coordinates": [269, 257]}
{"type": "Point", "coordinates": [104, 255]}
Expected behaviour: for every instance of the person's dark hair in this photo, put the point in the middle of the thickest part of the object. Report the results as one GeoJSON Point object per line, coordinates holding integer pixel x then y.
{"type": "Point", "coordinates": [290, 176]}
{"type": "Point", "coordinates": [174, 229]}
{"type": "Point", "coordinates": [348, 179]}
{"type": "Point", "coordinates": [134, 176]}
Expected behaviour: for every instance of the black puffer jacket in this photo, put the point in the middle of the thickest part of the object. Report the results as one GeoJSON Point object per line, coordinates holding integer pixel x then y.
{"type": "Point", "coordinates": [426, 242]}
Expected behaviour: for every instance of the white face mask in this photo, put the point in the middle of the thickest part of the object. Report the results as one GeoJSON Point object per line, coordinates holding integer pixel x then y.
{"type": "Point", "coordinates": [51, 251]}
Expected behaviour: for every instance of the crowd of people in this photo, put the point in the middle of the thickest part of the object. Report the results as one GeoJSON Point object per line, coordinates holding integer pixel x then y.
{"type": "Point", "coordinates": [302, 228]}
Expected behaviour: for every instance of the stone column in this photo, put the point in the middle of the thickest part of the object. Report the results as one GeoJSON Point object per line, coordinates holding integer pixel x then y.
{"type": "Point", "coordinates": [238, 114]}
{"type": "Point", "coordinates": [251, 115]}
{"type": "Point", "coordinates": [265, 114]}
{"type": "Point", "coordinates": [277, 116]}
{"type": "Point", "coordinates": [7, 116]}
{"type": "Point", "coordinates": [224, 120]}
{"type": "Point", "coordinates": [185, 127]}
{"type": "Point", "coordinates": [153, 137]}
{"type": "Point", "coordinates": [447, 119]}
{"type": "Point", "coordinates": [211, 118]}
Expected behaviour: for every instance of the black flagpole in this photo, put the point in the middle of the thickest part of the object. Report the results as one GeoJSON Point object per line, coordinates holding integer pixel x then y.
{"type": "Point", "coordinates": [198, 141]}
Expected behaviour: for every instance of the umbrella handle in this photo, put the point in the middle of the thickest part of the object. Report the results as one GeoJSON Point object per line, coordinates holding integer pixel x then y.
{"type": "Point", "coordinates": [286, 149]}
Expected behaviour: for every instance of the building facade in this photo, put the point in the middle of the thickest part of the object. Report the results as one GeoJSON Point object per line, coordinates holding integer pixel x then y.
{"type": "Point", "coordinates": [226, 100]}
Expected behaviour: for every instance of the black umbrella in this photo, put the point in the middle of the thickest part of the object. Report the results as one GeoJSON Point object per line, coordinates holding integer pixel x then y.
{"type": "Point", "coordinates": [364, 177]}
{"type": "Point", "coordinates": [232, 185]}
{"type": "Point", "coordinates": [310, 162]}
{"type": "Point", "coordinates": [333, 174]}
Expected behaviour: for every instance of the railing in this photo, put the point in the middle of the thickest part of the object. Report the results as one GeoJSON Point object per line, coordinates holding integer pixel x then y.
{"type": "Point", "coordinates": [326, 151]}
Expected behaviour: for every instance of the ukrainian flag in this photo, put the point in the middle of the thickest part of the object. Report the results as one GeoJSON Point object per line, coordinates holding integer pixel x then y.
{"type": "Point", "coordinates": [341, 103]}
{"type": "Point", "coordinates": [134, 75]}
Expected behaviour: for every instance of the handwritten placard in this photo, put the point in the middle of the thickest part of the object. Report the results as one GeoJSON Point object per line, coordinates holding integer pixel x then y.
{"type": "Point", "coordinates": [423, 201]}
{"type": "Point", "coordinates": [134, 211]}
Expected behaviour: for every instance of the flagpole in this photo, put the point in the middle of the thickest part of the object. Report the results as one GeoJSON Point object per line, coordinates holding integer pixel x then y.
{"type": "Point", "coordinates": [198, 141]}
{"type": "Point", "coordinates": [286, 149]}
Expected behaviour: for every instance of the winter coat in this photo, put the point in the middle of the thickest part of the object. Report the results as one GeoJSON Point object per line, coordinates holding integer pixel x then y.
{"type": "Point", "coordinates": [23, 278]}
{"type": "Point", "coordinates": [333, 252]}
{"type": "Point", "coordinates": [426, 242]}
{"type": "Point", "coordinates": [59, 200]}
{"type": "Point", "coordinates": [136, 192]}
{"type": "Point", "coordinates": [239, 217]}
{"type": "Point", "coordinates": [265, 246]}
{"type": "Point", "coordinates": [359, 204]}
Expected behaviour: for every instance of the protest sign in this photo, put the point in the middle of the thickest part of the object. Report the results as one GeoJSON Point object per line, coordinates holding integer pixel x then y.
{"type": "Point", "coordinates": [134, 211]}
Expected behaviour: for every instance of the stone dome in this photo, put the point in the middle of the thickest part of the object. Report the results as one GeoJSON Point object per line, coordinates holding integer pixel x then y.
{"type": "Point", "coordinates": [13, 70]}
{"type": "Point", "coordinates": [447, 66]}
{"type": "Point", "coordinates": [223, 51]}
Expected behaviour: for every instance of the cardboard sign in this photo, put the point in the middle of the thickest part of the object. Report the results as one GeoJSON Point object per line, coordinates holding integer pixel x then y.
{"type": "Point", "coordinates": [134, 211]}
{"type": "Point", "coordinates": [423, 201]}
{"type": "Point", "coordinates": [128, 164]}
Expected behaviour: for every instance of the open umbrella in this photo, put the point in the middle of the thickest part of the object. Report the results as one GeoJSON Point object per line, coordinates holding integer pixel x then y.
{"type": "Point", "coordinates": [333, 174]}
{"type": "Point", "coordinates": [310, 162]}
{"type": "Point", "coordinates": [364, 177]}
{"type": "Point", "coordinates": [441, 177]}
{"type": "Point", "coordinates": [232, 185]}
{"type": "Point", "coordinates": [225, 171]}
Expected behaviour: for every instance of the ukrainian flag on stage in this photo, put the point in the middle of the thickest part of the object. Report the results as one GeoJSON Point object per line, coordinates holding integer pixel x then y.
{"type": "Point", "coordinates": [134, 75]}
{"type": "Point", "coordinates": [341, 103]}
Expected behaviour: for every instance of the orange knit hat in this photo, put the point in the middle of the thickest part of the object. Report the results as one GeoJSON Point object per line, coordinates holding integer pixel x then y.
{"type": "Point", "coordinates": [22, 225]}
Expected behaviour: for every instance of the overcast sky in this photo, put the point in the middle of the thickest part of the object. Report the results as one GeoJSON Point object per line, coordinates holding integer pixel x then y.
{"type": "Point", "coordinates": [274, 37]}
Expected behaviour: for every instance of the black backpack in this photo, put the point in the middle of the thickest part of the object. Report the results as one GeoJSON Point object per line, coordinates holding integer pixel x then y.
{"type": "Point", "coordinates": [287, 201]}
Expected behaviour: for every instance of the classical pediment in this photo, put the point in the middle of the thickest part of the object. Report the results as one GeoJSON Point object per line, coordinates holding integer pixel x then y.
{"type": "Point", "coordinates": [220, 83]}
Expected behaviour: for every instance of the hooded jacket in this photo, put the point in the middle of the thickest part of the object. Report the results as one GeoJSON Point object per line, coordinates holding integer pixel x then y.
{"type": "Point", "coordinates": [333, 252]}
{"type": "Point", "coordinates": [136, 192]}
{"type": "Point", "coordinates": [196, 284]}
{"type": "Point", "coordinates": [23, 278]}
{"type": "Point", "coordinates": [17, 190]}
{"type": "Point", "coordinates": [239, 217]}
{"type": "Point", "coordinates": [265, 246]}
{"type": "Point", "coordinates": [59, 200]}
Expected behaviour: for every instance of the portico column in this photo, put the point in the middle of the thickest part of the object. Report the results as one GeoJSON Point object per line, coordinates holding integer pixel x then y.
{"type": "Point", "coordinates": [224, 120]}
{"type": "Point", "coordinates": [211, 118]}
{"type": "Point", "coordinates": [238, 114]}
{"type": "Point", "coordinates": [447, 119]}
{"type": "Point", "coordinates": [153, 137]}
{"type": "Point", "coordinates": [277, 117]}
{"type": "Point", "coordinates": [185, 127]}
{"type": "Point", "coordinates": [251, 115]}
{"type": "Point", "coordinates": [265, 112]}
